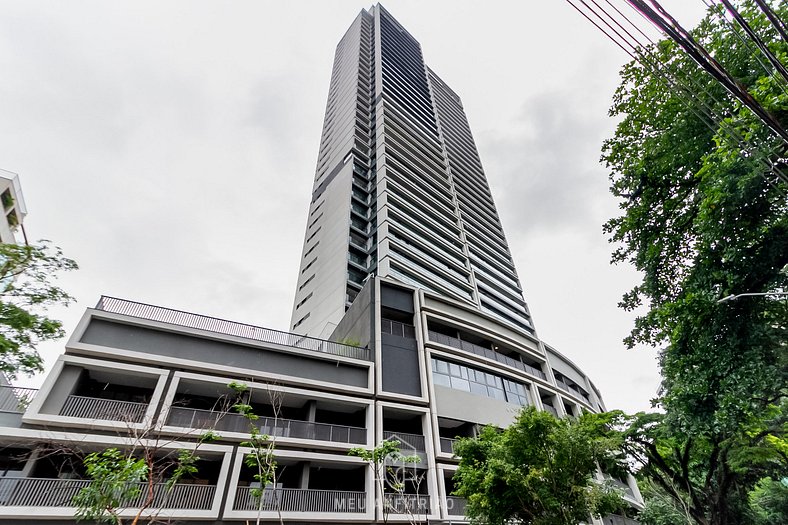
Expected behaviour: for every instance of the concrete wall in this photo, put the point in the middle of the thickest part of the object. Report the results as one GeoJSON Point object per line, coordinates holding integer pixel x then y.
{"type": "Point", "coordinates": [64, 386]}
{"type": "Point", "coordinates": [464, 406]}
{"type": "Point", "coordinates": [139, 339]}
{"type": "Point", "coordinates": [357, 323]}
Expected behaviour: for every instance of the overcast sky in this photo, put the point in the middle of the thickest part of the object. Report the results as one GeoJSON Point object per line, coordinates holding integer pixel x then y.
{"type": "Point", "coordinates": [169, 147]}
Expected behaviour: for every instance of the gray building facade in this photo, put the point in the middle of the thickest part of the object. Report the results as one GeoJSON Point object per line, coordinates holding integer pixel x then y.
{"type": "Point", "coordinates": [399, 189]}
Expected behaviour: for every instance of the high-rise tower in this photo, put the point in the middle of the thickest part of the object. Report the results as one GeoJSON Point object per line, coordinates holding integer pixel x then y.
{"type": "Point", "coordinates": [399, 189]}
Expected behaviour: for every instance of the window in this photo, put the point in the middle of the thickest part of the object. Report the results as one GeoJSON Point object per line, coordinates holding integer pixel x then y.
{"type": "Point", "coordinates": [478, 382]}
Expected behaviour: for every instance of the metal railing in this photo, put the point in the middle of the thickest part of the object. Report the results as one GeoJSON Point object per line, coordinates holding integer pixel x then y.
{"type": "Point", "coordinates": [389, 326]}
{"type": "Point", "coordinates": [485, 352]}
{"type": "Point", "coordinates": [447, 445]}
{"type": "Point", "coordinates": [206, 419]}
{"type": "Point", "coordinates": [109, 409]}
{"type": "Point", "coordinates": [455, 505]}
{"type": "Point", "coordinates": [615, 519]}
{"type": "Point", "coordinates": [550, 409]}
{"type": "Point", "coordinates": [16, 399]}
{"type": "Point", "coordinates": [414, 441]}
{"type": "Point", "coordinates": [566, 387]}
{"type": "Point", "coordinates": [49, 492]}
{"type": "Point", "coordinates": [301, 500]}
{"type": "Point", "coordinates": [407, 503]}
{"type": "Point", "coordinates": [224, 327]}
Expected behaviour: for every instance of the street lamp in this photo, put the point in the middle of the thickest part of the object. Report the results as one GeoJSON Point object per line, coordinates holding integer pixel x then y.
{"type": "Point", "coordinates": [733, 297]}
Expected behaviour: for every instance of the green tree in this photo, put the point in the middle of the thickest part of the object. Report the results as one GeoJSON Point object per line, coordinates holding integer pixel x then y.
{"type": "Point", "coordinates": [262, 455]}
{"type": "Point", "coordinates": [128, 479]}
{"type": "Point", "coordinates": [705, 215]}
{"type": "Point", "coordinates": [391, 477]}
{"type": "Point", "coordinates": [769, 502]}
{"type": "Point", "coordinates": [27, 273]}
{"type": "Point", "coordinates": [540, 470]}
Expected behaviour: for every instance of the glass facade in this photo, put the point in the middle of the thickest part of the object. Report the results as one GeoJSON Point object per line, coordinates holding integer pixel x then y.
{"type": "Point", "coordinates": [475, 381]}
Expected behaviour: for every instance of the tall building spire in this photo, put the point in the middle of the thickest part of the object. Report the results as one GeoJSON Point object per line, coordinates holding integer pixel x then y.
{"type": "Point", "coordinates": [399, 189]}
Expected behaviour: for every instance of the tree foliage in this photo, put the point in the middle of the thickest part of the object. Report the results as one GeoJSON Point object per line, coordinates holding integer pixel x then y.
{"type": "Point", "coordinates": [115, 479]}
{"type": "Point", "coordinates": [769, 502]}
{"type": "Point", "coordinates": [704, 216]}
{"type": "Point", "coordinates": [391, 477]}
{"type": "Point", "coordinates": [539, 471]}
{"type": "Point", "coordinates": [27, 273]}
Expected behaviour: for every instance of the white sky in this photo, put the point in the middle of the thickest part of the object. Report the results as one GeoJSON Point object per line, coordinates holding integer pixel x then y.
{"type": "Point", "coordinates": [169, 147]}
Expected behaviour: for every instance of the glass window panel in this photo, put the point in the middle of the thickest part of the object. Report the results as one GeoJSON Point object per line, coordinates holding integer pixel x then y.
{"type": "Point", "coordinates": [498, 382]}
{"type": "Point", "coordinates": [463, 372]}
{"type": "Point", "coordinates": [443, 367]}
{"type": "Point", "coordinates": [434, 365]}
{"type": "Point", "coordinates": [460, 384]}
{"type": "Point", "coordinates": [454, 369]}
{"type": "Point", "coordinates": [496, 393]}
{"type": "Point", "coordinates": [477, 388]}
{"type": "Point", "coordinates": [440, 379]}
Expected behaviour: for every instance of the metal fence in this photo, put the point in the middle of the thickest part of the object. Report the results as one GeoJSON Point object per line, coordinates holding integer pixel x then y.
{"type": "Point", "coordinates": [447, 445]}
{"type": "Point", "coordinates": [224, 327]}
{"type": "Point", "coordinates": [108, 409]}
{"type": "Point", "coordinates": [550, 409]}
{"type": "Point", "coordinates": [206, 419]}
{"type": "Point", "coordinates": [407, 503]}
{"type": "Point", "coordinates": [614, 519]}
{"type": "Point", "coordinates": [49, 492]}
{"type": "Point", "coordinates": [485, 352]}
{"type": "Point", "coordinates": [414, 441]}
{"type": "Point", "coordinates": [569, 388]}
{"type": "Point", "coordinates": [16, 399]}
{"type": "Point", "coordinates": [300, 500]}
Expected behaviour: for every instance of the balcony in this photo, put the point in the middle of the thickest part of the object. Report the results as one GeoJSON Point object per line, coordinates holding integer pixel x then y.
{"type": "Point", "coordinates": [455, 505]}
{"type": "Point", "coordinates": [550, 408]}
{"type": "Point", "coordinates": [566, 387]}
{"type": "Point", "coordinates": [105, 409]}
{"type": "Point", "coordinates": [54, 492]}
{"type": "Point", "coordinates": [301, 500]}
{"type": "Point", "coordinates": [231, 328]}
{"type": "Point", "coordinates": [614, 519]}
{"type": "Point", "coordinates": [410, 441]}
{"type": "Point", "coordinates": [16, 399]}
{"type": "Point", "coordinates": [204, 419]}
{"type": "Point", "coordinates": [407, 503]}
{"type": "Point", "coordinates": [485, 352]}
{"type": "Point", "coordinates": [447, 445]}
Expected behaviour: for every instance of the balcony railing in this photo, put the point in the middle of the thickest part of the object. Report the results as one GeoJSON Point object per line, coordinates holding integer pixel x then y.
{"type": "Point", "coordinates": [614, 519]}
{"type": "Point", "coordinates": [109, 409]}
{"type": "Point", "coordinates": [301, 500]}
{"type": "Point", "coordinates": [566, 387]}
{"type": "Point", "coordinates": [16, 399]}
{"type": "Point", "coordinates": [224, 327]}
{"type": "Point", "coordinates": [550, 409]}
{"type": "Point", "coordinates": [447, 445]}
{"type": "Point", "coordinates": [407, 503]}
{"type": "Point", "coordinates": [46, 492]}
{"type": "Point", "coordinates": [414, 441]}
{"type": "Point", "coordinates": [206, 419]}
{"type": "Point", "coordinates": [485, 352]}
{"type": "Point", "coordinates": [455, 505]}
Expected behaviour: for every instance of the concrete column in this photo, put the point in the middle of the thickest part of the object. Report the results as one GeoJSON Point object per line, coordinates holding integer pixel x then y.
{"type": "Point", "coordinates": [305, 467]}
{"type": "Point", "coordinates": [311, 410]}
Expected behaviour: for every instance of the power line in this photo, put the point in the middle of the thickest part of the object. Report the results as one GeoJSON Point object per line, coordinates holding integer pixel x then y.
{"type": "Point", "coordinates": [639, 49]}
